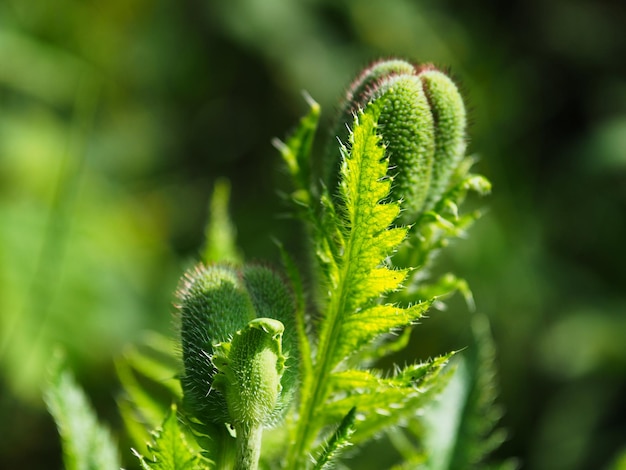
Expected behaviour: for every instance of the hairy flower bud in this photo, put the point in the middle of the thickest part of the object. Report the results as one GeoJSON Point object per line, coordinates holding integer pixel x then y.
{"type": "Point", "coordinates": [422, 124]}
{"type": "Point", "coordinates": [237, 360]}
{"type": "Point", "coordinates": [249, 371]}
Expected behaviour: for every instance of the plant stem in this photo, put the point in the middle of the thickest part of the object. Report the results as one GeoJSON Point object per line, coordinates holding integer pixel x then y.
{"type": "Point", "coordinates": [227, 450]}
{"type": "Point", "coordinates": [323, 368]}
{"type": "Point", "coordinates": [248, 446]}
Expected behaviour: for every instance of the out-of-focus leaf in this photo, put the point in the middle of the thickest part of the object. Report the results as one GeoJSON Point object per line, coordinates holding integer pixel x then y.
{"type": "Point", "coordinates": [148, 373]}
{"type": "Point", "coordinates": [620, 462]}
{"type": "Point", "coordinates": [220, 233]}
{"type": "Point", "coordinates": [86, 443]}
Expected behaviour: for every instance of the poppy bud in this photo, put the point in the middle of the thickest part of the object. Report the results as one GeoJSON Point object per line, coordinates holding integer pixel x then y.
{"type": "Point", "coordinates": [422, 123]}
{"type": "Point", "coordinates": [234, 352]}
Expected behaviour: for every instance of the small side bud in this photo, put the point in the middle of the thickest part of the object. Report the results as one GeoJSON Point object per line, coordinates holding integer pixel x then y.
{"type": "Point", "coordinates": [250, 368]}
{"type": "Point", "coordinates": [272, 299]}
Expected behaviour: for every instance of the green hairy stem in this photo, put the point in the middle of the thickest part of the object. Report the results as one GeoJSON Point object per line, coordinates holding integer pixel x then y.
{"type": "Point", "coordinates": [249, 447]}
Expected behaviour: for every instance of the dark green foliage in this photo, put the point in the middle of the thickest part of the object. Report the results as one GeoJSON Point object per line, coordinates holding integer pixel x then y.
{"type": "Point", "coordinates": [339, 440]}
{"type": "Point", "coordinates": [458, 429]}
{"type": "Point", "coordinates": [190, 92]}
{"type": "Point", "coordinates": [148, 372]}
{"type": "Point", "coordinates": [477, 434]}
{"type": "Point", "coordinates": [249, 348]}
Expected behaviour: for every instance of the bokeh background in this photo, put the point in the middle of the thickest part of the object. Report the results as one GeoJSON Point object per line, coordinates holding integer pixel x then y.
{"type": "Point", "coordinates": [117, 117]}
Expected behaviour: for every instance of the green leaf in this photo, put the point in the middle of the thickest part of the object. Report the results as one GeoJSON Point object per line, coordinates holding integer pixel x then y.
{"type": "Point", "coordinates": [384, 402]}
{"type": "Point", "coordinates": [337, 442]}
{"type": "Point", "coordinates": [305, 363]}
{"type": "Point", "coordinates": [353, 244]}
{"type": "Point", "coordinates": [148, 373]}
{"type": "Point", "coordinates": [434, 228]}
{"type": "Point", "coordinates": [443, 287]}
{"type": "Point", "coordinates": [368, 239]}
{"type": "Point", "coordinates": [619, 462]}
{"type": "Point", "coordinates": [361, 327]}
{"type": "Point", "coordinates": [478, 433]}
{"type": "Point", "coordinates": [170, 450]}
{"type": "Point", "coordinates": [297, 149]}
{"type": "Point", "coordinates": [86, 443]}
{"type": "Point", "coordinates": [220, 233]}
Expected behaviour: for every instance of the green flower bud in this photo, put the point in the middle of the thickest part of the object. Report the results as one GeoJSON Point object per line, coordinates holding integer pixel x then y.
{"type": "Point", "coordinates": [272, 299]}
{"type": "Point", "coordinates": [361, 89]}
{"type": "Point", "coordinates": [422, 122]}
{"type": "Point", "coordinates": [234, 353]}
{"type": "Point", "coordinates": [249, 371]}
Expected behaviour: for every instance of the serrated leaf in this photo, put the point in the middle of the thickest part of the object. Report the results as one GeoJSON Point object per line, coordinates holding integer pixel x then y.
{"type": "Point", "coordinates": [148, 373]}
{"type": "Point", "coordinates": [353, 245]}
{"type": "Point", "coordinates": [381, 347]}
{"type": "Point", "coordinates": [445, 286]}
{"type": "Point", "coordinates": [361, 327]}
{"type": "Point", "coordinates": [478, 433]}
{"type": "Point", "coordinates": [383, 402]}
{"type": "Point", "coordinates": [86, 443]}
{"type": "Point", "coordinates": [304, 345]}
{"type": "Point", "coordinates": [297, 149]}
{"type": "Point", "coordinates": [339, 440]}
{"type": "Point", "coordinates": [435, 228]}
{"type": "Point", "coordinates": [368, 239]}
{"type": "Point", "coordinates": [170, 450]}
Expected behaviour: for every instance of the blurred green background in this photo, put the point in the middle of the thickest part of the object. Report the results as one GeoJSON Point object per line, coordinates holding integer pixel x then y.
{"type": "Point", "coordinates": [117, 117]}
